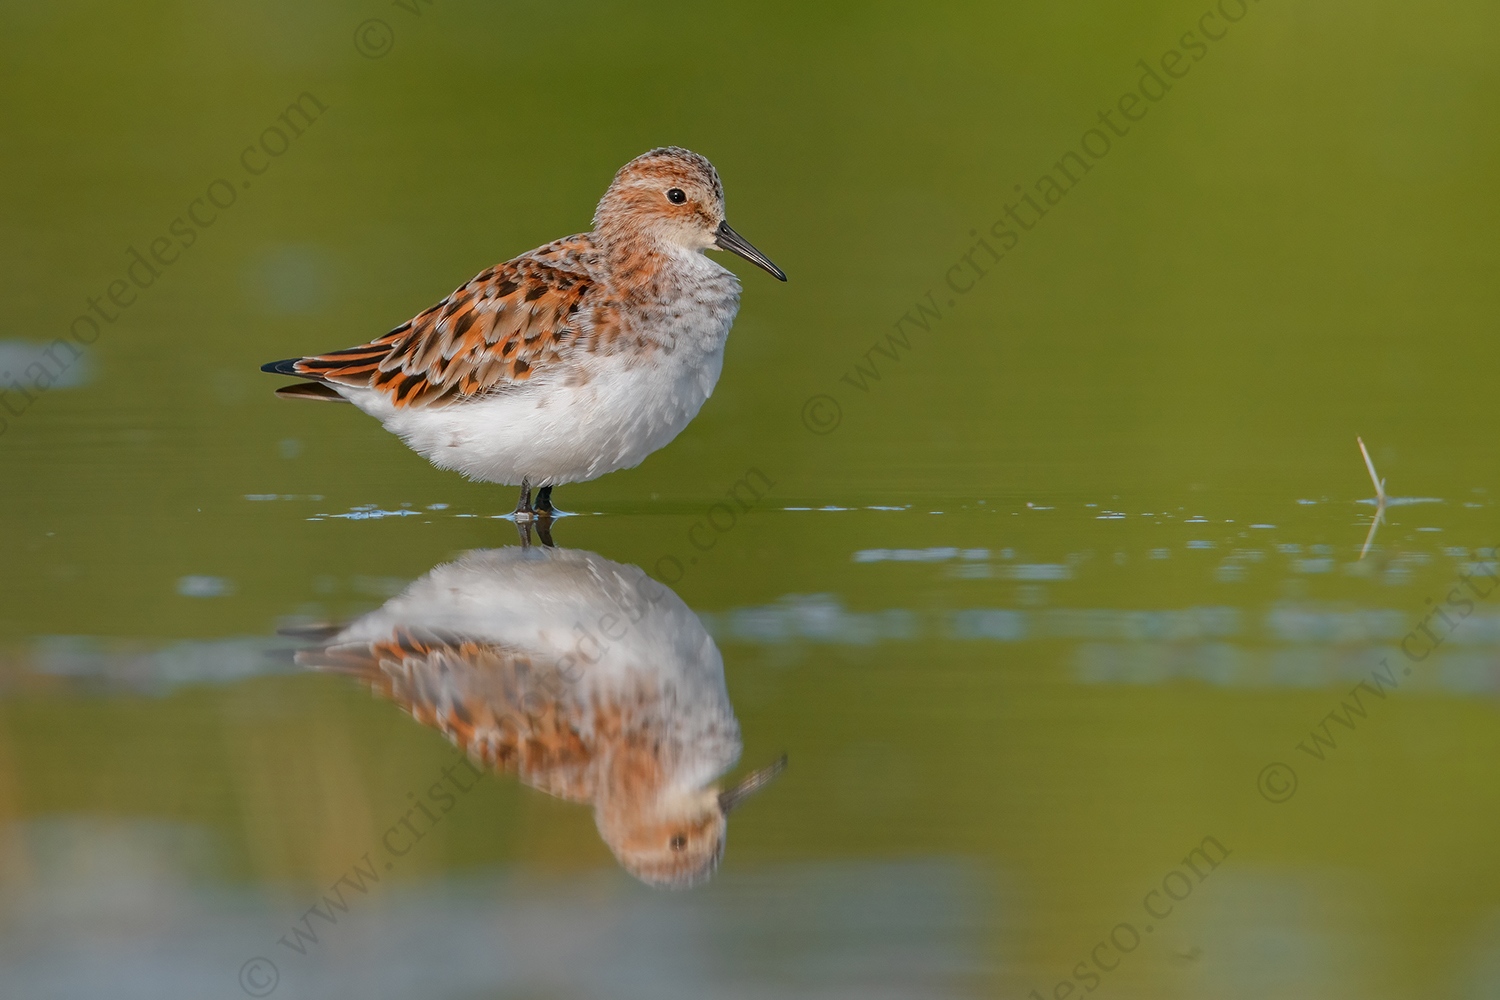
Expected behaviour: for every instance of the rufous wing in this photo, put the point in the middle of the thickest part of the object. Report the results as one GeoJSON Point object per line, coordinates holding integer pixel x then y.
{"type": "Point", "coordinates": [519, 321]}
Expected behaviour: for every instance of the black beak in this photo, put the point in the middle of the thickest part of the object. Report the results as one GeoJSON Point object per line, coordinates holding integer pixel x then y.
{"type": "Point", "coordinates": [750, 784]}
{"type": "Point", "coordinates": [732, 241]}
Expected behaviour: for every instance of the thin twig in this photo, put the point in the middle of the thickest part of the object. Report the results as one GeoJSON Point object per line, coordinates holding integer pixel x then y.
{"type": "Point", "coordinates": [1379, 483]}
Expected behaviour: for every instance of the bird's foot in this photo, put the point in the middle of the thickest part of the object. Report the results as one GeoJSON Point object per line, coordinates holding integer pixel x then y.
{"type": "Point", "coordinates": [539, 515]}
{"type": "Point", "coordinates": [524, 512]}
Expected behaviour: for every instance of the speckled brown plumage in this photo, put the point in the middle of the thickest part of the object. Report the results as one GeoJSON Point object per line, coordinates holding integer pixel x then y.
{"type": "Point", "coordinates": [502, 327]}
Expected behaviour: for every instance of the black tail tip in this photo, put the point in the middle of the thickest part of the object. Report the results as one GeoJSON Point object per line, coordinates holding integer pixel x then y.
{"type": "Point", "coordinates": [287, 367]}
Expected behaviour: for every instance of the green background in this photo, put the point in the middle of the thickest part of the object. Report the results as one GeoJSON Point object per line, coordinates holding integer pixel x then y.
{"type": "Point", "coordinates": [1296, 246]}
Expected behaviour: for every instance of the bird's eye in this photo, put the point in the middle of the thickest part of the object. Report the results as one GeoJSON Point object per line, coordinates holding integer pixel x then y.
{"type": "Point", "coordinates": [678, 842]}
{"type": "Point", "coordinates": [676, 196]}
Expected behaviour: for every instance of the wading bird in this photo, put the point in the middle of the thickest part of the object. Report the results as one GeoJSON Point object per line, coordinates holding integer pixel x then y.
{"type": "Point", "coordinates": [576, 359]}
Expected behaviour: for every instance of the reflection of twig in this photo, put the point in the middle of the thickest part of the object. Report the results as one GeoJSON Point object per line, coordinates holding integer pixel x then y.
{"type": "Point", "coordinates": [1370, 538]}
{"type": "Point", "coordinates": [1379, 497]}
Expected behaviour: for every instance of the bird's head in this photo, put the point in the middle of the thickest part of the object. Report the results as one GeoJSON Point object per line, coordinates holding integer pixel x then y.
{"type": "Point", "coordinates": [672, 197]}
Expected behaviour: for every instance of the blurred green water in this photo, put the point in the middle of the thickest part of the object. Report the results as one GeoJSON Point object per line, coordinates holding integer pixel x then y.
{"type": "Point", "coordinates": [1293, 247]}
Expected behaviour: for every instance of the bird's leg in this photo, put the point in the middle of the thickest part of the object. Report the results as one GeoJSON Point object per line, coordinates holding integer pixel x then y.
{"type": "Point", "coordinates": [523, 530]}
{"type": "Point", "coordinates": [543, 513]}
{"type": "Point", "coordinates": [524, 511]}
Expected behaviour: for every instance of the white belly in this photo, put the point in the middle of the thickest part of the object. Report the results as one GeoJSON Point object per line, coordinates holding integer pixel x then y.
{"type": "Point", "coordinates": [553, 434]}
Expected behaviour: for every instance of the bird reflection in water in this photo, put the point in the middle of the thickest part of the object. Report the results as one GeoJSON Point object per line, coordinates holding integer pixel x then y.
{"type": "Point", "coordinates": [584, 677]}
